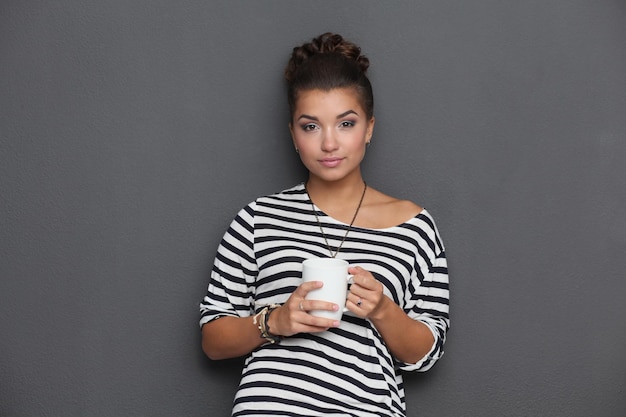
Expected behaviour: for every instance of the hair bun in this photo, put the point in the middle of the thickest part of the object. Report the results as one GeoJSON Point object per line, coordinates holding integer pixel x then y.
{"type": "Point", "coordinates": [327, 43]}
{"type": "Point", "coordinates": [326, 63]}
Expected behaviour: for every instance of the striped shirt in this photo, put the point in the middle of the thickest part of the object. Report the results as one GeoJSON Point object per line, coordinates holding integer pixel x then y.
{"type": "Point", "coordinates": [345, 371]}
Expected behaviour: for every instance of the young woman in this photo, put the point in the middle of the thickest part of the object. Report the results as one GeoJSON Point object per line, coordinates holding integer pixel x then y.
{"type": "Point", "coordinates": [298, 364]}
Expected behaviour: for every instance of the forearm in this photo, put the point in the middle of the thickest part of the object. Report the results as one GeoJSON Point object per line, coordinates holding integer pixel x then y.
{"type": "Point", "coordinates": [230, 337]}
{"type": "Point", "coordinates": [407, 339]}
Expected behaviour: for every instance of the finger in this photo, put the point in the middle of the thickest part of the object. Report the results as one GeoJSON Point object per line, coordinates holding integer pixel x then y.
{"type": "Point", "coordinates": [367, 283]}
{"type": "Point", "coordinates": [307, 287]}
{"type": "Point", "coordinates": [303, 327]}
{"type": "Point", "coordinates": [360, 291]}
{"type": "Point", "coordinates": [362, 277]}
{"type": "Point", "coordinates": [356, 300]}
{"type": "Point", "coordinates": [355, 270]}
{"type": "Point", "coordinates": [312, 324]}
{"type": "Point", "coordinates": [301, 321]}
{"type": "Point", "coordinates": [309, 305]}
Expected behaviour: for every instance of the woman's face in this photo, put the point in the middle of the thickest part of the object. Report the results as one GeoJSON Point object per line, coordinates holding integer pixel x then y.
{"type": "Point", "coordinates": [330, 131]}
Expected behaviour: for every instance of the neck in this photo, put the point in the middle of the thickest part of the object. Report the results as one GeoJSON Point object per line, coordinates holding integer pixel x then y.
{"type": "Point", "coordinates": [338, 201]}
{"type": "Point", "coordinates": [336, 192]}
{"type": "Point", "coordinates": [333, 252]}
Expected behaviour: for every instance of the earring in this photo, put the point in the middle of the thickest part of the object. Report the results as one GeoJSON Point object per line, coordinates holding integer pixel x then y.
{"type": "Point", "coordinates": [367, 144]}
{"type": "Point", "coordinates": [297, 150]}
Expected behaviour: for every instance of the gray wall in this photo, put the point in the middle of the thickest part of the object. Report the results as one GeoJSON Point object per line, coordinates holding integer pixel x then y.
{"type": "Point", "coordinates": [132, 131]}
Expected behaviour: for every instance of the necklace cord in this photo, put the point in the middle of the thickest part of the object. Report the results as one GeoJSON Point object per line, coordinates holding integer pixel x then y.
{"type": "Point", "coordinates": [319, 224]}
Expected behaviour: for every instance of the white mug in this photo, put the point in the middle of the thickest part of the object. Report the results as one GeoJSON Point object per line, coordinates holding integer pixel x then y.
{"type": "Point", "coordinates": [334, 274]}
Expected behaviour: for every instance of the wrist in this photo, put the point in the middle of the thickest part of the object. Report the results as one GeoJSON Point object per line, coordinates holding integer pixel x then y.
{"type": "Point", "coordinates": [272, 320]}
{"type": "Point", "coordinates": [383, 310]}
{"type": "Point", "coordinates": [262, 322]}
{"type": "Point", "coordinates": [271, 331]}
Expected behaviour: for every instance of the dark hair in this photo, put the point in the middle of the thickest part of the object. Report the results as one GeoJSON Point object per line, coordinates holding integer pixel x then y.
{"type": "Point", "coordinates": [326, 63]}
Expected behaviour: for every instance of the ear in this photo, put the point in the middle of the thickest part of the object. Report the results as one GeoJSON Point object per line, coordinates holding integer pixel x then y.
{"type": "Point", "coordinates": [370, 129]}
{"type": "Point", "coordinates": [293, 138]}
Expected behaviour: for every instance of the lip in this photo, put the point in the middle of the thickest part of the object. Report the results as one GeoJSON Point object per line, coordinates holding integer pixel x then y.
{"type": "Point", "coordinates": [330, 162]}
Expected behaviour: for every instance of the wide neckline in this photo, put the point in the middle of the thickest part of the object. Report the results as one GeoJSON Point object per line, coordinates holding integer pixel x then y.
{"type": "Point", "coordinates": [339, 222]}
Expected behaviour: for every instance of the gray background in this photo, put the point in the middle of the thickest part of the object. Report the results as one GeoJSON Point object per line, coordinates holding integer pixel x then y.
{"type": "Point", "coordinates": [132, 132]}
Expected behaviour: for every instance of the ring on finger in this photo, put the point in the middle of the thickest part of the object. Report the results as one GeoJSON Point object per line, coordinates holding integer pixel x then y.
{"type": "Point", "coordinates": [359, 302]}
{"type": "Point", "coordinates": [300, 306]}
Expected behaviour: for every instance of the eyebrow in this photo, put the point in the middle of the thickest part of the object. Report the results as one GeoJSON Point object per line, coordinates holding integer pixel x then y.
{"type": "Point", "coordinates": [342, 115]}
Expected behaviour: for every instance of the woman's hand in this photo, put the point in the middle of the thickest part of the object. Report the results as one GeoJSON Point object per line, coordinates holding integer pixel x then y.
{"type": "Point", "coordinates": [366, 297]}
{"type": "Point", "coordinates": [407, 339]}
{"type": "Point", "coordinates": [293, 317]}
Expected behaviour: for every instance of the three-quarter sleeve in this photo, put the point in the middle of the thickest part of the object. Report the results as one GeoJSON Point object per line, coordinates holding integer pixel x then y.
{"type": "Point", "coordinates": [231, 286]}
{"type": "Point", "coordinates": [427, 297]}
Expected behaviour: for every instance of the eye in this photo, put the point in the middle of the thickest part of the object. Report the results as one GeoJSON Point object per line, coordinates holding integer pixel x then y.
{"type": "Point", "coordinates": [347, 123]}
{"type": "Point", "coordinates": [307, 127]}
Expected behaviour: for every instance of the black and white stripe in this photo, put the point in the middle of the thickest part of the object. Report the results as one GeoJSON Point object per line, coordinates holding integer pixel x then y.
{"type": "Point", "coordinates": [344, 371]}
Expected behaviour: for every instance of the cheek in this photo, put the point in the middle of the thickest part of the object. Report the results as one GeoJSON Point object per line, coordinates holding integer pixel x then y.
{"type": "Point", "coordinates": [360, 140]}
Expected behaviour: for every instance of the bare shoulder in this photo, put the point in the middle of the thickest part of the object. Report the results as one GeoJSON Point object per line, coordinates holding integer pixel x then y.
{"type": "Point", "coordinates": [381, 211]}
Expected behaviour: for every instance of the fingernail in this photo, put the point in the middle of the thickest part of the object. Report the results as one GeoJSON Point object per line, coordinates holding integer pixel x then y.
{"type": "Point", "coordinates": [336, 323]}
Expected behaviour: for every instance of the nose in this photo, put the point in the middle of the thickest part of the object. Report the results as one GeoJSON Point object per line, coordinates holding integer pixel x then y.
{"type": "Point", "coordinates": [329, 141]}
